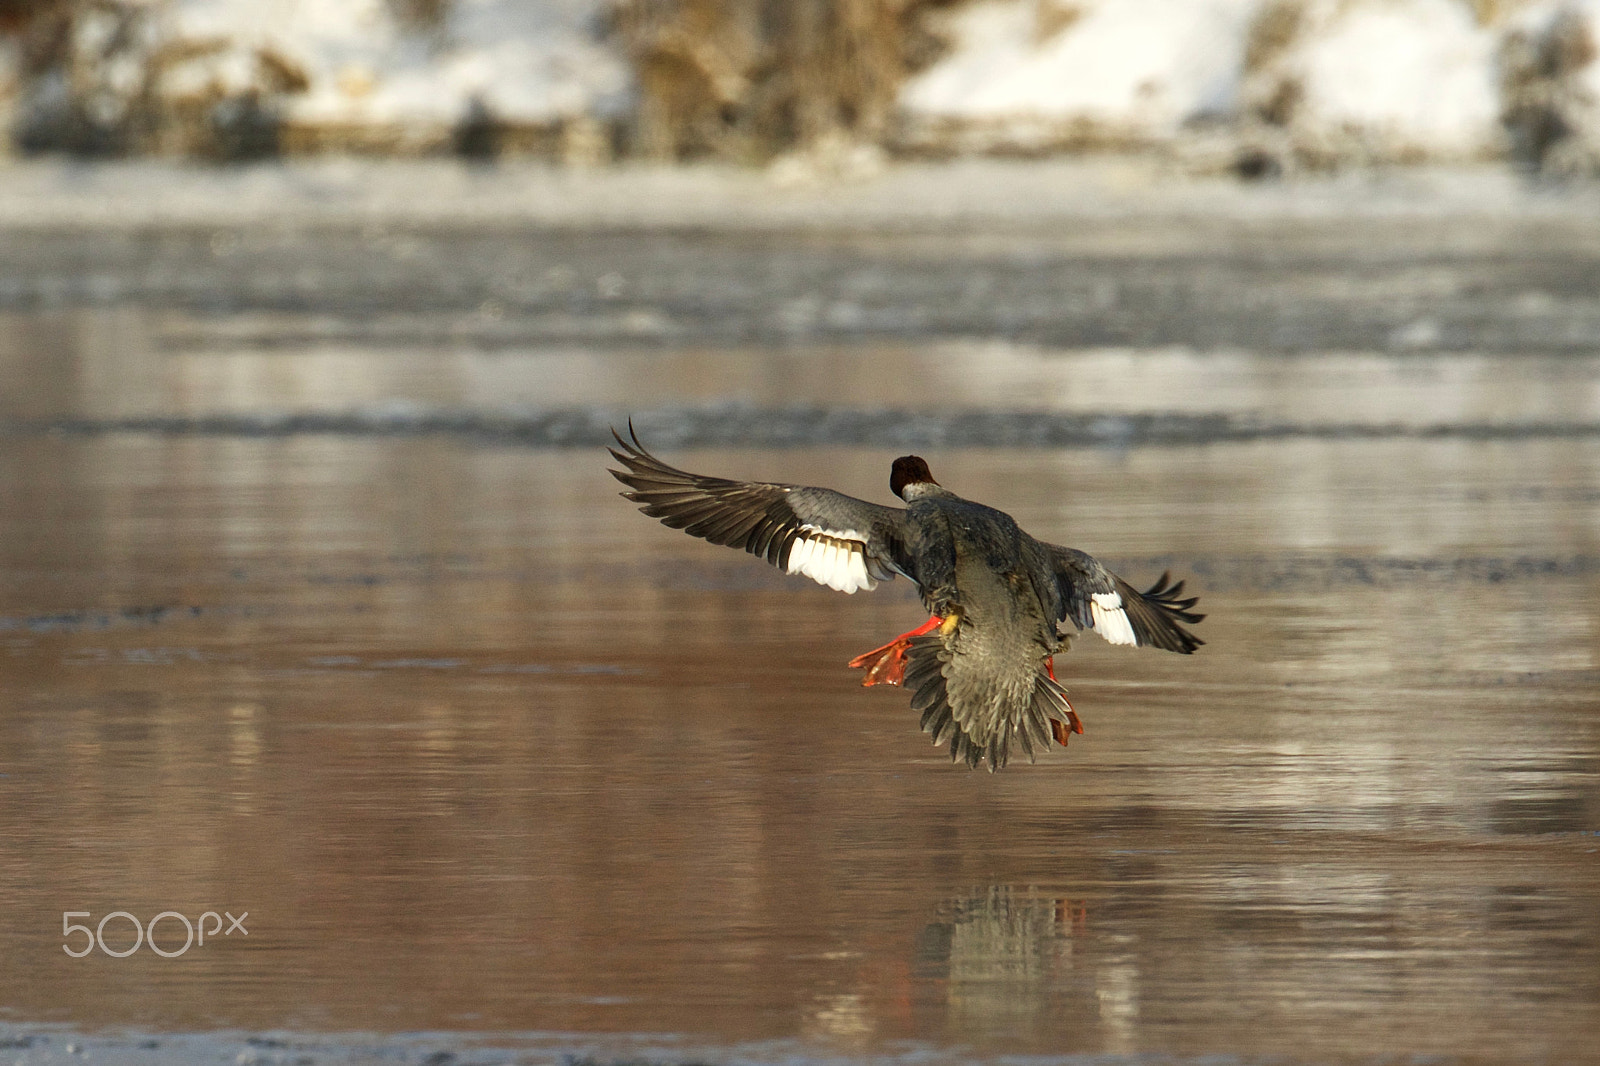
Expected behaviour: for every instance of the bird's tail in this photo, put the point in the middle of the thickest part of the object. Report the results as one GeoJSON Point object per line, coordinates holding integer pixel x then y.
{"type": "Point", "coordinates": [980, 712]}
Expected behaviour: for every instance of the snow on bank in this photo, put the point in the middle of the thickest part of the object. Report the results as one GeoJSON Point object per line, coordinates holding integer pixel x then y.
{"type": "Point", "coordinates": [1317, 82]}
{"type": "Point", "coordinates": [526, 62]}
{"type": "Point", "coordinates": [1279, 85]}
{"type": "Point", "coordinates": [1387, 80]}
{"type": "Point", "coordinates": [161, 75]}
{"type": "Point", "coordinates": [1027, 74]}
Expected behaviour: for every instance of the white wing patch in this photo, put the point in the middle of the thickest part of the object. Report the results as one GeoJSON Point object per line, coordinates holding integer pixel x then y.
{"type": "Point", "coordinates": [835, 558]}
{"type": "Point", "coordinates": [1110, 620]}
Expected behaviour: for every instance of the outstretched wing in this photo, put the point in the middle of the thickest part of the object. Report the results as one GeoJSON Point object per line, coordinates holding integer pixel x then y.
{"type": "Point", "coordinates": [1092, 597]}
{"type": "Point", "coordinates": [834, 539]}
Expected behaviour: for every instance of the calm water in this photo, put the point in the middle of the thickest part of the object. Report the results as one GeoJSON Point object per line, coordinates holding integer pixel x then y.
{"type": "Point", "coordinates": [479, 748]}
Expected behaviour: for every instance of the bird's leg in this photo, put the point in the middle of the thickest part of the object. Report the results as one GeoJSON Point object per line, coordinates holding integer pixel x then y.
{"type": "Point", "coordinates": [887, 665]}
{"type": "Point", "coordinates": [1061, 730]}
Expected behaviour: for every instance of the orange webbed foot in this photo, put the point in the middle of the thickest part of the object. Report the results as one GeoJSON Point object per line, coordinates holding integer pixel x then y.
{"type": "Point", "coordinates": [887, 665]}
{"type": "Point", "coordinates": [1062, 730]}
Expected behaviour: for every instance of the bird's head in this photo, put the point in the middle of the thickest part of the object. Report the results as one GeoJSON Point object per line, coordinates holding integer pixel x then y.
{"type": "Point", "coordinates": [909, 470]}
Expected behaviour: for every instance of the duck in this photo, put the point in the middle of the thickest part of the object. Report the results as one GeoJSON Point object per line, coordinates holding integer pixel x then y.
{"type": "Point", "coordinates": [981, 669]}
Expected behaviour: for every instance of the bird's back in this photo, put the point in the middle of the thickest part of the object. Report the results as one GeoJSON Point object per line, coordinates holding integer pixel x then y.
{"type": "Point", "coordinates": [979, 680]}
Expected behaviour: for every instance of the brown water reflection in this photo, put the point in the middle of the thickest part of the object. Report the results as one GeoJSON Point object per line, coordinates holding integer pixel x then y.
{"type": "Point", "coordinates": [478, 747]}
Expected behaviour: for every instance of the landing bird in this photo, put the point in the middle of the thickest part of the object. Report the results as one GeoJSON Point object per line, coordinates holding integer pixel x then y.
{"type": "Point", "coordinates": [981, 669]}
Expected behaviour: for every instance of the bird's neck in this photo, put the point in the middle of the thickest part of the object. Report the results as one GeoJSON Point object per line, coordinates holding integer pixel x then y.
{"type": "Point", "coordinates": [919, 490]}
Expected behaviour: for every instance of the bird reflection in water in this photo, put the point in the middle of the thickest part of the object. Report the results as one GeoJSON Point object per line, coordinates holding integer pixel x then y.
{"type": "Point", "coordinates": [1011, 959]}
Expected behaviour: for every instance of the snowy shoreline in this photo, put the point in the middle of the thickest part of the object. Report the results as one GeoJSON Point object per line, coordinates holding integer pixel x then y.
{"type": "Point", "coordinates": [1258, 88]}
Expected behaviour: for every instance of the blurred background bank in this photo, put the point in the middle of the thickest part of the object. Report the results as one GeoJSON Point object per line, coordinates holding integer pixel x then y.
{"type": "Point", "coordinates": [1253, 87]}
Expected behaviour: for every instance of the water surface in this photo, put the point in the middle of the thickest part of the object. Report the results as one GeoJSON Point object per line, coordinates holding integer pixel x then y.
{"type": "Point", "coordinates": [480, 749]}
